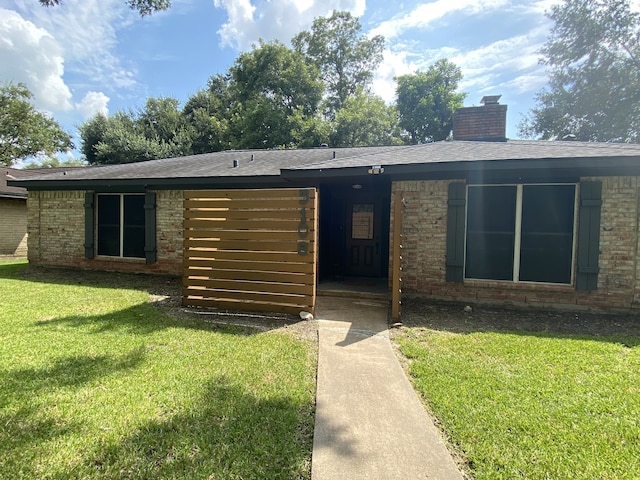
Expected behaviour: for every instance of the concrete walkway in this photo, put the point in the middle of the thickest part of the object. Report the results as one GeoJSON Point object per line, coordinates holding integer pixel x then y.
{"type": "Point", "coordinates": [369, 422]}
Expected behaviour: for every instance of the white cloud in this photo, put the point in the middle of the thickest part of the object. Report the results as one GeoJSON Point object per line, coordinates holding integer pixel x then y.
{"type": "Point", "coordinates": [85, 27]}
{"type": "Point", "coordinates": [393, 65]}
{"type": "Point", "coordinates": [249, 21]}
{"type": "Point", "coordinates": [31, 55]}
{"type": "Point", "coordinates": [540, 7]}
{"type": "Point", "coordinates": [516, 57]}
{"type": "Point", "coordinates": [93, 103]}
{"type": "Point", "coordinates": [509, 65]}
{"type": "Point", "coordinates": [526, 83]}
{"type": "Point", "coordinates": [87, 32]}
{"type": "Point", "coordinates": [427, 13]}
{"type": "Point", "coordinates": [240, 13]}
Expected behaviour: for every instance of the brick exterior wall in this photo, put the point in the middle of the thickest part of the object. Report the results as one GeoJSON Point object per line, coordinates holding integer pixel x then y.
{"type": "Point", "coordinates": [13, 227]}
{"type": "Point", "coordinates": [488, 122]}
{"type": "Point", "coordinates": [56, 238]}
{"type": "Point", "coordinates": [56, 234]}
{"type": "Point", "coordinates": [424, 252]}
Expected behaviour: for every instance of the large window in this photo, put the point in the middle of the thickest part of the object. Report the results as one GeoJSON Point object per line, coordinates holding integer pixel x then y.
{"type": "Point", "coordinates": [520, 232]}
{"type": "Point", "coordinates": [121, 225]}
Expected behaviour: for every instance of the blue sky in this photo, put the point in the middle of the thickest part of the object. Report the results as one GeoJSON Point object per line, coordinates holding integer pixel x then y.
{"type": "Point", "coordinates": [88, 56]}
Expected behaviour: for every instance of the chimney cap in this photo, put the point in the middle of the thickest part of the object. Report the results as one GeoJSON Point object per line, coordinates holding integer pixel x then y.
{"type": "Point", "coordinates": [490, 99]}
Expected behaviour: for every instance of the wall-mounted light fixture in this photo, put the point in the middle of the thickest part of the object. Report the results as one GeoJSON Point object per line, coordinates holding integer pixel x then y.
{"type": "Point", "coordinates": [376, 170]}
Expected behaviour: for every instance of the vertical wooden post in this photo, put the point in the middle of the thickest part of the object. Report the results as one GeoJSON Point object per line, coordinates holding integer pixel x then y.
{"type": "Point", "coordinates": [316, 250]}
{"type": "Point", "coordinates": [396, 263]}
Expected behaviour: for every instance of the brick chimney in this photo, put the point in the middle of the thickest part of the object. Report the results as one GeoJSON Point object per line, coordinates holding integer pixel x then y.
{"type": "Point", "coordinates": [487, 123]}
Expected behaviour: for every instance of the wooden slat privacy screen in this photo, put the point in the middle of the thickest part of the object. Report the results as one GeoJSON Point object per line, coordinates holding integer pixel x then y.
{"type": "Point", "coordinates": [251, 250]}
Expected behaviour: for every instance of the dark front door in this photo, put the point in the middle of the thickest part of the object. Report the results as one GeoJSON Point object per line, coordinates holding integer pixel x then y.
{"type": "Point", "coordinates": [363, 242]}
{"type": "Point", "coordinates": [354, 229]}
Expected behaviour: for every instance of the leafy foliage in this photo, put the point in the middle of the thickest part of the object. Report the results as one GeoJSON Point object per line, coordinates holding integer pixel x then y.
{"type": "Point", "coordinates": [593, 53]}
{"type": "Point", "coordinates": [269, 84]}
{"type": "Point", "coordinates": [55, 162]}
{"type": "Point", "coordinates": [365, 120]}
{"type": "Point", "coordinates": [92, 132]}
{"type": "Point", "coordinates": [158, 131]}
{"type": "Point", "coordinates": [24, 131]}
{"type": "Point", "coordinates": [279, 97]}
{"type": "Point", "coordinates": [344, 56]}
{"type": "Point", "coordinates": [144, 7]}
{"type": "Point", "coordinates": [428, 100]}
{"type": "Point", "coordinates": [207, 116]}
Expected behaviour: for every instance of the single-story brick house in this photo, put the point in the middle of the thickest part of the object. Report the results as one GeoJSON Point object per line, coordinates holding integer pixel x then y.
{"type": "Point", "coordinates": [479, 218]}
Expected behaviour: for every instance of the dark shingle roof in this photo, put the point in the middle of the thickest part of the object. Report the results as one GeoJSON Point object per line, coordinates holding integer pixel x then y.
{"type": "Point", "coordinates": [467, 151]}
{"type": "Point", "coordinates": [251, 163]}
{"type": "Point", "coordinates": [273, 164]}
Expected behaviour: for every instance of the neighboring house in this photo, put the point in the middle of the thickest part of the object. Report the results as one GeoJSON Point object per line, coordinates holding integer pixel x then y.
{"type": "Point", "coordinates": [495, 220]}
{"type": "Point", "coordinates": [13, 209]}
{"type": "Point", "coordinates": [13, 215]}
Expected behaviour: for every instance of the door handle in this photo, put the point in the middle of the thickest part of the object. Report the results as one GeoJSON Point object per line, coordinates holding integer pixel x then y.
{"type": "Point", "coordinates": [377, 248]}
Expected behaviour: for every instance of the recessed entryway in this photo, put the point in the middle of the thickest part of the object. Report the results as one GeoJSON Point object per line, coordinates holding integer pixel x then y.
{"type": "Point", "coordinates": [354, 235]}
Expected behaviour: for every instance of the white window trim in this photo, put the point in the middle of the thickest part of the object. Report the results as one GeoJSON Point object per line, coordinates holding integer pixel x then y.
{"type": "Point", "coordinates": [518, 233]}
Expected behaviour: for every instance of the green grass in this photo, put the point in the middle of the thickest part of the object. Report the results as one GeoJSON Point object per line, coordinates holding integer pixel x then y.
{"type": "Point", "coordinates": [532, 405]}
{"type": "Point", "coordinates": [96, 382]}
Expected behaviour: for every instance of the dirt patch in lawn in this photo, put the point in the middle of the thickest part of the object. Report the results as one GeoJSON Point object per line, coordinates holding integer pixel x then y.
{"type": "Point", "coordinates": [165, 293]}
{"type": "Point", "coordinates": [454, 317]}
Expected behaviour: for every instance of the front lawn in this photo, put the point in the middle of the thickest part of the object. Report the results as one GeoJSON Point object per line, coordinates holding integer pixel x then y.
{"type": "Point", "coordinates": [98, 382]}
{"type": "Point", "coordinates": [530, 395]}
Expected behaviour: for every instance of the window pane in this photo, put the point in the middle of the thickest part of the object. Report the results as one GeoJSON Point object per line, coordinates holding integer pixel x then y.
{"type": "Point", "coordinates": [362, 222]}
{"type": "Point", "coordinates": [109, 225]}
{"type": "Point", "coordinates": [133, 235]}
{"type": "Point", "coordinates": [547, 233]}
{"type": "Point", "coordinates": [490, 232]}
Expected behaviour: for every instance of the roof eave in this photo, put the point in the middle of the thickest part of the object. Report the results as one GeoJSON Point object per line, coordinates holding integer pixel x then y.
{"type": "Point", "coordinates": [147, 183]}
{"type": "Point", "coordinates": [13, 196]}
{"type": "Point", "coordinates": [605, 166]}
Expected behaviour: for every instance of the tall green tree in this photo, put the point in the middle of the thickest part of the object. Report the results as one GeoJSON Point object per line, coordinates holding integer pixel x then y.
{"type": "Point", "coordinates": [345, 57]}
{"type": "Point", "coordinates": [161, 120]}
{"type": "Point", "coordinates": [144, 7]}
{"type": "Point", "coordinates": [426, 101]}
{"type": "Point", "coordinates": [157, 131]}
{"type": "Point", "coordinates": [125, 142]}
{"type": "Point", "coordinates": [24, 131]}
{"type": "Point", "coordinates": [92, 133]}
{"type": "Point", "coordinates": [365, 120]}
{"type": "Point", "coordinates": [593, 57]}
{"type": "Point", "coordinates": [268, 86]}
{"type": "Point", "coordinates": [308, 131]}
{"type": "Point", "coordinates": [207, 114]}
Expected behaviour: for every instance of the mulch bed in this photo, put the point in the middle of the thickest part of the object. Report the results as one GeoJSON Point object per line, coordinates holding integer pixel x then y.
{"type": "Point", "coordinates": [420, 312]}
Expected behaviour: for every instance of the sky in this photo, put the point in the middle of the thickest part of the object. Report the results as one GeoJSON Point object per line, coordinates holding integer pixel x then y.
{"type": "Point", "coordinates": [88, 56]}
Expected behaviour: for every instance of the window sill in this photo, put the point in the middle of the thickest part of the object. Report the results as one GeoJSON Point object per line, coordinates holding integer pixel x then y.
{"type": "Point", "coordinates": [105, 258]}
{"type": "Point", "coordinates": [507, 284]}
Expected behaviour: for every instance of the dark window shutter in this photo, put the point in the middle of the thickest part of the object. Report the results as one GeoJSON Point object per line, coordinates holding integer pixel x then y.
{"type": "Point", "coordinates": [89, 225]}
{"type": "Point", "coordinates": [589, 235]}
{"type": "Point", "coordinates": [150, 250]}
{"type": "Point", "coordinates": [455, 232]}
